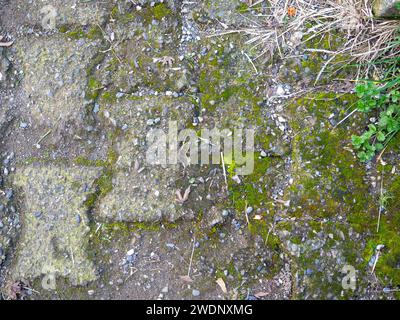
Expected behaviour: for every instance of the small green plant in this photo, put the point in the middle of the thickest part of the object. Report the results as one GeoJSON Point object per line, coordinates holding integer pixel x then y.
{"type": "Point", "coordinates": [385, 102]}
{"type": "Point", "coordinates": [384, 200]}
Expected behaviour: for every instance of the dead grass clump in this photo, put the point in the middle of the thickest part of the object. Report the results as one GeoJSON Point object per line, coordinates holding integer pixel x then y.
{"type": "Point", "coordinates": [293, 22]}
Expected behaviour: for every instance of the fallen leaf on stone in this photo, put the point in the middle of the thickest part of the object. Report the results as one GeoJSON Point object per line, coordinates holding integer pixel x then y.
{"type": "Point", "coordinates": [185, 197]}
{"type": "Point", "coordinates": [5, 44]}
{"type": "Point", "coordinates": [285, 203]}
{"type": "Point", "coordinates": [186, 278]}
{"type": "Point", "coordinates": [17, 290]}
{"type": "Point", "coordinates": [222, 285]}
{"type": "Point", "coordinates": [165, 61]}
{"type": "Point", "coordinates": [261, 294]}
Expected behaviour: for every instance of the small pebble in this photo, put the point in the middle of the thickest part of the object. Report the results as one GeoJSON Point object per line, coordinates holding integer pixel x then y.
{"type": "Point", "coordinates": [164, 290]}
{"type": "Point", "coordinates": [195, 293]}
{"type": "Point", "coordinates": [37, 214]}
{"type": "Point", "coordinates": [263, 154]}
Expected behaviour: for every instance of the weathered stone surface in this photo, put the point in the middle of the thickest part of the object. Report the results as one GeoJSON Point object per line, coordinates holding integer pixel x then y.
{"type": "Point", "coordinates": [145, 51]}
{"type": "Point", "coordinates": [146, 197]}
{"type": "Point", "coordinates": [143, 191]}
{"type": "Point", "coordinates": [329, 197]}
{"type": "Point", "coordinates": [386, 8]}
{"type": "Point", "coordinates": [35, 13]}
{"type": "Point", "coordinates": [5, 65]}
{"type": "Point", "coordinates": [115, 70]}
{"type": "Point", "coordinates": [328, 178]}
{"type": "Point", "coordinates": [55, 225]}
{"type": "Point", "coordinates": [55, 78]}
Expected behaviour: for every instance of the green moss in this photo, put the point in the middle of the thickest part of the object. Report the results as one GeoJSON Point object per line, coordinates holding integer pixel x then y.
{"type": "Point", "coordinates": [63, 29]}
{"type": "Point", "coordinates": [114, 12]}
{"type": "Point", "coordinates": [328, 182]}
{"type": "Point", "coordinates": [232, 271]}
{"type": "Point", "coordinates": [314, 61]}
{"type": "Point", "coordinates": [98, 59]}
{"type": "Point", "coordinates": [82, 161]}
{"type": "Point", "coordinates": [328, 41]}
{"type": "Point", "coordinates": [328, 177]}
{"type": "Point", "coordinates": [387, 268]}
{"type": "Point", "coordinates": [160, 11]}
{"type": "Point", "coordinates": [242, 7]}
{"type": "Point", "coordinates": [95, 32]}
{"type": "Point", "coordinates": [76, 34]}
{"type": "Point", "coordinates": [254, 191]}
{"type": "Point", "coordinates": [94, 87]}
{"type": "Point", "coordinates": [108, 97]}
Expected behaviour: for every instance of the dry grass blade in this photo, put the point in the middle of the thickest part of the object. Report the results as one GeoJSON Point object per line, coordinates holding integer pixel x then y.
{"type": "Point", "coordinates": [278, 31]}
{"type": "Point", "coordinates": [222, 285]}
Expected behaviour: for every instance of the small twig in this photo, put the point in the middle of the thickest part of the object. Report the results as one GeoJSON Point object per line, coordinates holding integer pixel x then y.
{"type": "Point", "coordinates": [247, 217]}
{"type": "Point", "coordinates": [375, 262]}
{"type": "Point", "coordinates": [323, 69]}
{"type": "Point", "coordinates": [223, 169]}
{"type": "Point", "coordinates": [391, 290]}
{"type": "Point", "coordinates": [43, 137]}
{"type": "Point", "coordinates": [33, 290]}
{"type": "Point", "coordinates": [255, 3]}
{"type": "Point", "coordinates": [131, 273]}
{"type": "Point", "coordinates": [98, 228]}
{"type": "Point", "coordinates": [378, 251]}
{"type": "Point", "coordinates": [380, 204]}
{"type": "Point", "coordinates": [345, 118]}
{"type": "Point", "coordinates": [269, 232]}
{"type": "Point", "coordinates": [72, 257]}
{"type": "Point", "coordinates": [251, 62]}
{"type": "Point", "coordinates": [6, 44]}
{"type": "Point", "coordinates": [381, 154]}
{"type": "Point", "coordinates": [191, 256]}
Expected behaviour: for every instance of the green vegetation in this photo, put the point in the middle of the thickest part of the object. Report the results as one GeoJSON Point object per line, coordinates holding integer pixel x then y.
{"type": "Point", "coordinates": [381, 98]}
{"type": "Point", "coordinates": [385, 101]}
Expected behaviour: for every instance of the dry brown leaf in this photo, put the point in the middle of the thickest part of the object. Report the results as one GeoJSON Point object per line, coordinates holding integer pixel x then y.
{"type": "Point", "coordinates": [185, 197]}
{"type": "Point", "coordinates": [222, 285]}
{"type": "Point", "coordinates": [17, 289]}
{"type": "Point", "coordinates": [186, 278]}
{"type": "Point", "coordinates": [5, 44]}
{"type": "Point", "coordinates": [261, 294]}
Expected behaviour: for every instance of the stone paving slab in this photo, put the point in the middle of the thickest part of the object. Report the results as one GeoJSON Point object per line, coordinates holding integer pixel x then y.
{"type": "Point", "coordinates": [55, 225]}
